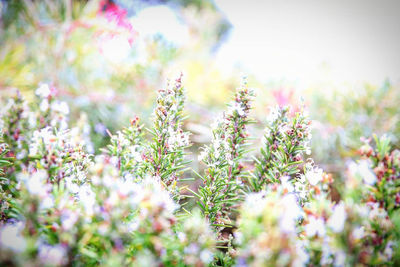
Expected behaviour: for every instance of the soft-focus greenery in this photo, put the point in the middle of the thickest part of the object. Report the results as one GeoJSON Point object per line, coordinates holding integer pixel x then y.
{"type": "Point", "coordinates": [62, 205]}
{"type": "Point", "coordinates": [97, 60]}
{"type": "Point", "coordinates": [239, 191]}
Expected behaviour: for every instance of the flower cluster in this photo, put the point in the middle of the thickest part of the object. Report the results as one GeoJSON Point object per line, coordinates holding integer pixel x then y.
{"type": "Point", "coordinates": [165, 157]}
{"type": "Point", "coordinates": [267, 233]}
{"type": "Point", "coordinates": [64, 206]}
{"type": "Point", "coordinates": [285, 141]}
{"type": "Point", "coordinates": [37, 137]}
{"type": "Point", "coordinates": [347, 234]}
{"type": "Point", "coordinates": [109, 221]}
{"type": "Point", "coordinates": [61, 204]}
{"type": "Point", "coordinates": [5, 196]}
{"type": "Point", "coordinates": [223, 176]}
{"type": "Point", "coordinates": [15, 117]}
{"type": "Point", "coordinates": [292, 219]}
{"type": "Point", "coordinates": [380, 168]}
{"type": "Point", "coordinates": [126, 148]}
{"type": "Point", "coordinates": [313, 183]}
{"type": "Point", "coordinates": [313, 230]}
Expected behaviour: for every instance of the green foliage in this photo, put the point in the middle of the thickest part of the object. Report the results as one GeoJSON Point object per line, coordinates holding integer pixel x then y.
{"type": "Point", "coordinates": [63, 205]}
{"type": "Point", "coordinates": [385, 165]}
{"type": "Point", "coordinates": [346, 115]}
{"type": "Point", "coordinates": [285, 141]}
{"type": "Point", "coordinates": [127, 147]}
{"type": "Point", "coordinates": [223, 177]}
{"type": "Point", "coordinates": [165, 156]}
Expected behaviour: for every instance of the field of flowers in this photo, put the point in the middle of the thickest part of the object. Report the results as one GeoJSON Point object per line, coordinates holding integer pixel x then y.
{"type": "Point", "coordinates": [61, 205]}
{"type": "Point", "coordinates": [108, 160]}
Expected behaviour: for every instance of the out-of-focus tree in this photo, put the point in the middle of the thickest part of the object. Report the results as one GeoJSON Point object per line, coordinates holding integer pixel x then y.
{"type": "Point", "coordinates": [344, 117]}
{"type": "Point", "coordinates": [94, 54]}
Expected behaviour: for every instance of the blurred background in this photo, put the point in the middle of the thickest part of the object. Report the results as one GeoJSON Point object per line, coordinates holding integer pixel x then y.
{"type": "Point", "coordinates": [108, 59]}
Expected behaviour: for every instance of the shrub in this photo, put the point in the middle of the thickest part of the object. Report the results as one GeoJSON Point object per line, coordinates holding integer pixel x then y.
{"type": "Point", "coordinates": [63, 205]}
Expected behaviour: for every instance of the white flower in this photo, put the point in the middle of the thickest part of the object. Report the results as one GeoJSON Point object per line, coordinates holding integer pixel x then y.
{"type": "Point", "coordinates": [11, 238]}
{"type": "Point", "coordinates": [60, 106]}
{"type": "Point", "coordinates": [240, 110]}
{"type": "Point", "coordinates": [217, 154]}
{"type": "Point", "coordinates": [43, 91]}
{"type": "Point", "coordinates": [286, 184]}
{"type": "Point", "coordinates": [47, 203]}
{"type": "Point", "coordinates": [206, 256]}
{"type": "Point", "coordinates": [338, 218]}
{"type": "Point", "coordinates": [104, 228]}
{"type": "Point", "coordinates": [290, 213]}
{"type": "Point", "coordinates": [21, 154]}
{"type": "Point", "coordinates": [122, 140]}
{"type": "Point", "coordinates": [228, 158]}
{"type": "Point", "coordinates": [363, 171]}
{"type": "Point", "coordinates": [33, 149]}
{"type": "Point", "coordinates": [302, 256]}
{"type": "Point", "coordinates": [203, 154]}
{"type": "Point", "coordinates": [340, 259]}
{"type": "Point", "coordinates": [215, 124]}
{"type": "Point", "coordinates": [44, 136]}
{"type": "Point", "coordinates": [193, 248]}
{"type": "Point", "coordinates": [71, 185]}
{"type": "Point", "coordinates": [366, 173]}
{"type": "Point", "coordinates": [376, 212]}
{"type": "Point", "coordinates": [114, 161]}
{"type": "Point", "coordinates": [36, 183]}
{"type": "Point", "coordinates": [113, 199]}
{"type": "Point", "coordinates": [177, 139]}
{"type": "Point", "coordinates": [238, 237]}
{"type": "Point", "coordinates": [133, 225]}
{"type": "Point", "coordinates": [236, 107]}
{"type": "Point", "coordinates": [44, 105]}
{"type": "Point", "coordinates": [326, 257]}
{"type": "Point", "coordinates": [255, 203]}
{"type": "Point", "coordinates": [388, 252]}
{"type": "Point", "coordinates": [358, 233]}
{"type": "Point", "coordinates": [124, 187]}
{"type": "Point", "coordinates": [68, 219]}
{"type": "Point", "coordinates": [158, 197]}
{"type": "Point", "coordinates": [300, 187]}
{"type": "Point", "coordinates": [314, 176]}
{"type": "Point", "coordinates": [52, 255]}
{"type": "Point", "coordinates": [316, 226]}
{"type": "Point", "coordinates": [134, 154]}
{"type": "Point", "coordinates": [182, 236]}
{"type": "Point", "coordinates": [273, 115]}
{"type": "Point", "coordinates": [88, 198]}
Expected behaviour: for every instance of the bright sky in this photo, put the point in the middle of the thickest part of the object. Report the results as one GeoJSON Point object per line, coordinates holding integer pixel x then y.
{"type": "Point", "coordinates": [161, 19]}
{"type": "Point", "coordinates": [305, 42]}
{"type": "Point", "coordinates": [309, 41]}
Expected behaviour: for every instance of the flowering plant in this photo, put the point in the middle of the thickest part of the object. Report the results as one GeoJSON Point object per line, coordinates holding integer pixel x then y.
{"type": "Point", "coordinates": [63, 204]}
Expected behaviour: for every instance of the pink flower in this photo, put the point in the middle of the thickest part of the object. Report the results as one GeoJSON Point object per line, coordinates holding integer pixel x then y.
{"type": "Point", "coordinates": [116, 14]}
{"type": "Point", "coordinates": [283, 98]}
